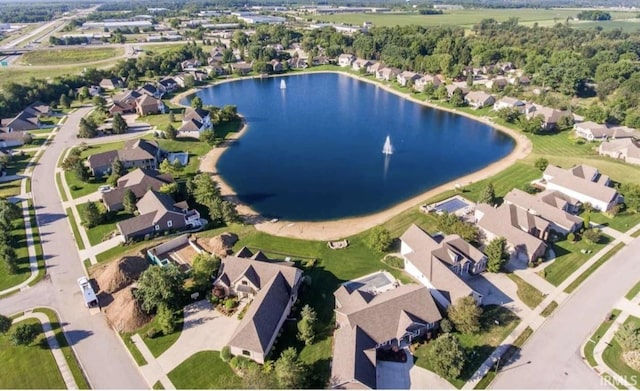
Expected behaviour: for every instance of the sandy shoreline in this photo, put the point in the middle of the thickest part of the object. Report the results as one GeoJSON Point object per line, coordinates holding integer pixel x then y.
{"type": "Point", "coordinates": [338, 229]}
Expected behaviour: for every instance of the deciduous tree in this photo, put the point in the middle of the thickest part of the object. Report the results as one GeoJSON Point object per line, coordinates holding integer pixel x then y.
{"type": "Point", "coordinates": [379, 239]}
{"type": "Point", "coordinates": [24, 334]}
{"type": "Point", "coordinates": [307, 324]}
{"type": "Point", "coordinates": [5, 324]}
{"type": "Point", "coordinates": [160, 285]}
{"type": "Point", "coordinates": [129, 201]}
{"type": "Point", "coordinates": [446, 356]}
{"type": "Point", "coordinates": [465, 315]}
{"type": "Point", "coordinates": [488, 194]}
{"type": "Point", "coordinates": [91, 215]}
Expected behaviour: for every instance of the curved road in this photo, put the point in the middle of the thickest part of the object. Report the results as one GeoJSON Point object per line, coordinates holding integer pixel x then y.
{"type": "Point", "coordinates": [106, 361]}
{"type": "Point", "coordinates": [555, 349]}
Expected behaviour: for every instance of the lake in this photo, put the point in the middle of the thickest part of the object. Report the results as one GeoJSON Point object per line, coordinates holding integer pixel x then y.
{"type": "Point", "coordinates": [313, 151]}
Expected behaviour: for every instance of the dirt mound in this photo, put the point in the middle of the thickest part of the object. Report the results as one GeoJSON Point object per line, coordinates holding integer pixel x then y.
{"type": "Point", "coordinates": [121, 273]}
{"type": "Point", "coordinates": [124, 312]}
{"type": "Point", "coordinates": [222, 244]}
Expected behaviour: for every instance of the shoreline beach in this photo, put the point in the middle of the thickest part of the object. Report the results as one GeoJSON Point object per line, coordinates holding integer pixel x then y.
{"type": "Point", "coordinates": [339, 229]}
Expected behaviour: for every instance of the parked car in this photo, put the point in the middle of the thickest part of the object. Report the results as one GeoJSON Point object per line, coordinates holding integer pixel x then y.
{"type": "Point", "coordinates": [90, 298]}
{"type": "Point", "coordinates": [104, 189]}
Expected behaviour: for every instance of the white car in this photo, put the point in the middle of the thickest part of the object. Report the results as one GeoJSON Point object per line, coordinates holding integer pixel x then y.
{"type": "Point", "coordinates": [104, 189]}
{"type": "Point", "coordinates": [90, 298]}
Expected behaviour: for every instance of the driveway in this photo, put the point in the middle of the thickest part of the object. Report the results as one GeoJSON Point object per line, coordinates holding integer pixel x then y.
{"type": "Point", "coordinates": [497, 288]}
{"type": "Point", "coordinates": [394, 375]}
{"type": "Point", "coordinates": [204, 329]}
{"type": "Point", "coordinates": [422, 379]}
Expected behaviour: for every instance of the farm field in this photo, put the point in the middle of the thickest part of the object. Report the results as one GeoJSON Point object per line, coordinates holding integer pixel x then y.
{"type": "Point", "coordinates": [70, 56]}
{"type": "Point", "coordinates": [465, 18]}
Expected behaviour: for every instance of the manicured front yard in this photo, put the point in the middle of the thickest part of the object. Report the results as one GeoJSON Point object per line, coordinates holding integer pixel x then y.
{"type": "Point", "coordinates": [529, 295]}
{"type": "Point", "coordinates": [569, 258]}
{"type": "Point", "coordinates": [161, 343]}
{"type": "Point", "coordinates": [513, 348]}
{"type": "Point", "coordinates": [19, 244]}
{"type": "Point", "coordinates": [204, 370]}
{"type": "Point", "coordinates": [99, 233]}
{"type": "Point", "coordinates": [28, 367]}
{"type": "Point", "coordinates": [477, 346]}
{"type": "Point", "coordinates": [575, 283]}
{"type": "Point", "coordinates": [78, 188]}
{"type": "Point", "coordinates": [591, 343]}
{"type": "Point", "coordinates": [612, 355]}
{"type": "Point", "coordinates": [622, 222]}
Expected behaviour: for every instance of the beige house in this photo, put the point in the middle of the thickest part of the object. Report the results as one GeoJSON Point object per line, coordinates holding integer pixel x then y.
{"type": "Point", "coordinates": [479, 99]}
{"type": "Point", "coordinates": [544, 205]}
{"type": "Point", "coordinates": [509, 103]}
{"type": "Point", "coordinates": [271, 287]}
{"type": "Point", "coordinates": [550, 116]}
{"type": "Point", "coordinates": [345, 60]}
{"type": "Point", "coordinates": [442, 264]}
{"type": "Point", "coordinates": [370, 322]}
{"type": "Point", "coordinates": [626, 149]}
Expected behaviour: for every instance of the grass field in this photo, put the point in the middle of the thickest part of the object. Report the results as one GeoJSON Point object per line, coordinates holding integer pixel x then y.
{"type": "Point", "coordinates": [24, 74]}
{"type": "Point", "coordinates": [19, 244]}
{"type": "Point", "coordinates": [575, 283]}
{"type": "Point", "coordinates": [513, 348]}
{"type": "Point", "coordinates": [569, 258]}
{"type": "Point", "coordinates": [75, 229]}
{"type": "Point", "coordinates": [204, 370]}
{"type": "Point", "coordinates": [529, 295]}
{"type": "Point", "coordinates": [548, 310]}
{"type": "Point", "coordinates": [98, 233]}
{"type": "Point", "coordinates": [612, 355]}
{"type": "Point", "coordinates": [628, 25]}
{"type": "Point", "coordinates": [70, 56]}
{"type": "Point", "coordinates": [591, 343]}
{"type": "Point", "coordinates": [633, 292]}
{"type": "Point", "coordinates": [466, 18]}
{"type": "Point", "coordinates": [28, 367]}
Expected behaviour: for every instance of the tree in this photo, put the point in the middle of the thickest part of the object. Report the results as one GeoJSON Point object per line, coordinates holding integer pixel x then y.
{"type": "Point", "coordinates": [488, 194]}
{"type": "Point", "coordinates": [509, 114]}
{"type": "Point", "coordinates": [119, 124]}
{"type": "Point", "coordinates": [81, 172]}
{"type": "Point", "coordinates": [196, 102]}
{"type": "Point", "coordinates": [8, 212]}
{"type": "Point", "coordinates": [5, 324]}
{"type": "Point", "coordinates": [532, 125]}
{"type": "Point", "coordinates": [541, 164]}
{"type": "Point", "coordinates": [65, 102]}
{"type": "Point", "coordinates": [631, 194]}
{"type": "Point", "coordinates": [100, 103]}
{"type": "Point", "coordinates": [379, 239]}
{"type": "Point", "coordinates": [592, 236]}
{"type": "Point", "coordinates": [496, 254]}
{"type": "Point", "coordinates": [209, 137]}
{"type": "Point", "coordinates": [229, 212]}
{"type": "Point", "coordinates": [170, 132]}
{"type": "Point", "coordinates": [204, 190]}
{"type": "Point", "coordinates": [87, 129]}
{"type": "Point", "coordinates": [289, 371]}
{"type": "Point", "coordinates": [91, 215]}
{"type": "Point", "coordinates": [225, 354]}
{"type": "Point", "coordinates": [166, 319]}
{"type": "Point", "coordinates": [24, 334]}
{"type": "Point", "coordinates": [166, 167]}
{"type": "Point", "coordinates": [258, 378]}
{"type": "Point", "coordinates": [306, 325]}
{"type": "Point", "coordinates": [83, 94]}
{"type": "Point", "coordinates": [446, 356]}
{"type": "Point", "coordinates": [169, 188]}
{"type": "Point", "coordinates": [160, 285]}
{"type": "Point", "coordinates": [465, 315]}
{"type": "Point", "coordinates": [457, 99]}
{"type": "Point", "coordinates": [204, 269]}
{"type": "Point", "coordinates": [628, 336]}
{"type": "Point", "coordinates": [449, 223]}
{"type": "Point", "coordinates": [9, 258]}
{"type": "Point", "coordinates": [129, 201]}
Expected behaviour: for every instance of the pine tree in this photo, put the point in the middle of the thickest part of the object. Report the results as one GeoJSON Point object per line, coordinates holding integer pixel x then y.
{"type": "Point", "coordinates": [488, 195]}
{"type": "Point", "coordinates": [129, 201]}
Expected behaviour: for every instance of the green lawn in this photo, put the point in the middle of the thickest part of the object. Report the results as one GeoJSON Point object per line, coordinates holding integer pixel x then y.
{"type": "Point", "coordinates": [75, 229]}
{"type": "Point", "coordinates": [513, 348]}
{"type": "Point", "coordinates": [99, 233]}
{"type": "Point", "coordinates": [636, 234]}
{"type": "Point", "coordinates": [633, 292]}
{"type": "Point", "coordinates": [10, 189]}
{"type": "Point", "coordinates": [478, 346]}
{"type": "Point", "coordinates": [70, 56]}
{"type": "Point", "coordinates": [28, 367]}
{"type": "Point", "coordinates": [63, 194]}
{"type": "Point", "coordinates": [529, 294]}
{"type": "Point", "coordinates": [78, 188]}
{"type": "Point", "coordinates": [19, 244]}
{"type": "Point", "coordinates": [591, 343]}
{"type": "Point", "coordinates": [133, 349]}
{"type": "Point", "coordinates": [160, 344]}
{"type": "Point", "coordinates": [612, 355]}
{"type": "Point", "coordinates": [569, 258]}
{"type": "Point", "coordinates": [69, 355]}
{"type": "Point", "coordinates": [195, 149]}
{"type": "Point", "coordinates": [19, 162]}
{"type": "Point", "coordinates": [575, 283]}
{"type": "Point", "coordinates": [622, 222]}
{"type": "Point", "coordinates": [204, 370]}
{"type": "Point", "coordinates": [548, 310]}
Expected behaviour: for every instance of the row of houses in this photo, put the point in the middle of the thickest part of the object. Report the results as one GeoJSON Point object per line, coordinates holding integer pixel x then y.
{"type": "Point", "coordinates": [618, 142]}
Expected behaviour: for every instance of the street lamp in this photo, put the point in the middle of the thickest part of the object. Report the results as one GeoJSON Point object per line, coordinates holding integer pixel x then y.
{"type": "Point", "coordinates": [498, 364]}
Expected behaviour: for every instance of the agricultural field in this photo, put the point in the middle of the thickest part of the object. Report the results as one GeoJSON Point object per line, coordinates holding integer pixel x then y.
{"type": "Point", "coordinates": [466, 18]}
{"type": "Point", "coordinates": [70, 56]}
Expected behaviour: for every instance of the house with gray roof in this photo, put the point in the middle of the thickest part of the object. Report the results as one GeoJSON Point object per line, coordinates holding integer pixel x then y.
{"type": "Point", "coordinates": [626, 149]}
{"type": "Point", "coordinates": [27, 119]}
{"type": "Point", "coordinates": [507, 102]}
{"type": "Point", "coordinates": [272, 288]}
{"type": "Point", "coordinates": [479, 99]}
{"type": "Point", "coordinates": [361, 63]}
{"type": "Point", "coordinates": [111, 83]}
{"type": "Point", "coordinates": [137, 153]}
{"type": "Point", "coordinates": [158, 213]}
{"type": "Point", "coordinates": [550, 116]}
{"type": "Point", "coordinates": [544, 206]}
{"type": "Point", "coordinates": [139, 181]}
{"type": "Point", "coordinates": [368, 323]}
{"type": "Point", "coordinates": [582, 183]}
{"type": "Point", "coordinates": [407, 77]}
{"type": "Point", "coordinates": [421, 83]}
{"type": "Point", "coordinates": [592, 131]}
{"type": "Point", "coordinates": [442, 264]}
{"type": "Point", "coordinates": [524, 232]}
{"type": "Point", "coordinates": [387, 74]}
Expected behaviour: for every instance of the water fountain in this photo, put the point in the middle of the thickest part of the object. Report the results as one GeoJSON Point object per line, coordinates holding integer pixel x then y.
{"type": "Point", "coordinates": [387, 149]}
{"type": "Point", "coordinates": [283, 84]}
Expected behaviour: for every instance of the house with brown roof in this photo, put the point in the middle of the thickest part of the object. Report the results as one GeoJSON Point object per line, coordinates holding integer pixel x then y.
{"type": "Point", "coordinates": [544, 205]}
{"type": "Point", "coordinates": [345, 60]}
{"type": "Point", "coordinates": [626, 149]}
{"type": "Point", "coordinates": [139, 181]}
{"type": "Point", "coordinates": [452, 88]}
{"type": "Point", "coordinates": [369, 323]}
{"type": "Point", "coordinates": [498, 83]}
{"type": "Point", "coordinates": [421, 83]}
{"type": "Point", "coordinates": [387, 74]}
{"type": "Point", "coordinates": [550, 116]}
{"type": "Point", "coordinates": [158, 213]}
{"type": "Point", "coordinates": [111, 83]}
{"type": "Point", "coordinates": [138, 153]}
{"type": "Point", "coordinates": [361, 63]}
{"type": "Point", "coordinates": [479, 99]}
{"type": "Point", "coordinates": [241, 68]}
{"type": "Point", "coordinates": [524, 232]}
{"type": "Point", "coordinates": [12, 139]}
{"type": "Point", "coordinates": [272, 288]}
{"type": "Point", "coordinates": [582, 183]}
{"type": "Point", "coordinates": [442, 264]}
{"type": "Point", "coordinates": [297, 63]}
{"type": "Point", "coordinates": [407, 77]}
{"type": "Point", "coordinates": [592, 131]}
{"type": "Point", "coordinates": [147, 105]}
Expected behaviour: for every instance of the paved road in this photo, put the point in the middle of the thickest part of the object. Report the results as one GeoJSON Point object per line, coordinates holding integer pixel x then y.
{"type": "Point", "coordinates": [106, 361]}
{"type": "Point", "coordinates": [554, 350]}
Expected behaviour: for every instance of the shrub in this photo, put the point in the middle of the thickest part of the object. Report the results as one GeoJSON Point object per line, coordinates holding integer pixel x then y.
{"type": "Point", "coordinates": [240, 363]}
{"type": "Point", "coordinates": [446, 326]}
{"type": "Point", "coordinates": [571, 237]}
{"type": "Point", "coordinates": [24, 334]}
{"type": "Point", "coordinates": [308, 264]}
{"type": "Point", "coordinates": [628, 336]}
{"type": "Point", "coordinates": [74, 187]}
{"type": "Point", "coordinates": [214, 300]}
{"type": "Point", "coordinates": [230, 303]}
{"type": "Point", "coordinates": [152, 333]}
{"type": "Point", "coordinates": [632, 358]}
{"type": "Point", "coordinates": [592, 236]}
{"type": "Point", "coordinates": [225, 354]}
{"type": "Point", "coordinates": [394, 262]}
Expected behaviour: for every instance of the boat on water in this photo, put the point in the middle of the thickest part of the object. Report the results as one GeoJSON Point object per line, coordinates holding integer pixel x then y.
{"type": "Point", "coordinates": [283, 84]}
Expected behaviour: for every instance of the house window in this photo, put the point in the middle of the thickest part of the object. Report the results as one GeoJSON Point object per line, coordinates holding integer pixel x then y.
{"type": "Point", "coordinates": [246, 353]}
{"type": "Point", "coordinates": [244, 282]}
{"type": "Point", "coordinates": [157, 227]}
{"type": "Point", "coordinates": [169, 223]}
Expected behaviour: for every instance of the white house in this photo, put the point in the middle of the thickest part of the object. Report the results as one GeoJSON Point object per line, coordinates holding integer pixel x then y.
{"type": "Point", "coordinates": [345, 59]}
{"type": "Point", "coordinates": [509, 103]}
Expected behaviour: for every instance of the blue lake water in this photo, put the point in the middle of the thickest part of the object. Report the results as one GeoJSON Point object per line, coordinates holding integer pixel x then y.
{"type": "Point", "coordinates": [313, 151]}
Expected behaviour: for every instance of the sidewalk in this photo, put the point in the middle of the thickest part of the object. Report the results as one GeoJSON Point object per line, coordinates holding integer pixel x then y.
{"type": "Point", "coordinates": [557, 294]}
{"type": "Point", "coordinates": [69, 381]}
{"type": "Point", "coordinates": [91, 251]}
{"type": "Point", "coordinates": [152, 370]}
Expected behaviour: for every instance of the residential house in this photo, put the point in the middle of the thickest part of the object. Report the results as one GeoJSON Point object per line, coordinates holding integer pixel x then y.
{"type": "Point", "coordinates": [368, 323]}
{"type": "Point", "coordinates": [452, 88]}
{"type": "Point", "coordinates": [147, 105]}
{"type": "Point", "coordinates": [361, 63]}
{"type": "Point", "coordinates": [12, 139]}
{"type": "Point", "coordinates": [374, 67]}
{"type": "Point", "coordinates": [297, 63]}
{"type": "Point", "coordinates": [436, 80]}
{"type": "Point", "coordinates": [139, 181]}
{"type": "Point", "coordinates": [135, 153]}
{"type": "Point", "coordinates": [498, 83]}
{"type": "Point", "coordinates": [150, 90]}
{"type": "Point", "coordinates": [276, 65]}
{"type": "Point", "coordinates": [158, 213]}
{"type": "Point", "coordinates": [545, 206]}
{"type": "Point", "coordinates": [241, 68]}
{"type": "Point", "coordinates": [189, 64]}
{"type": "Point", "coordinates": [509, 103]}
{"type": "Point", "coordinates": [321, 60]}
{"type": "Point", "coordinates": [599, 132]}
{"type": "Point", "coordinates": [479, 99]}
{"type": "Point", "coordinates": [550, 116]}
{"type": "Point", "coordinates": [111, 83]}
{"type": "Point", "coordinates": [626, 149]}
{"type": "Point", "coordinates": [442, 264]}
{"type": "Point", "coordinates": [387, 74]}
{"type": "Point", "coordinates": [216, 69]}
{"type": "Point", "coordinates": [216, 55]}
{"type": "Point", "coordinates": [524, 232]}
{"type": "Point", "coordinates": [345, 60]}
{"type": "Point", "coordinates": [582, 183]}
{"type": "Point", "coordinates": [168, 84]}
{"type": "Point", "coordinates": [25, 120]}
{"type": "Point", "coordinates": [407, 77]}
{"type": "Point", "coordinates": [125, 102]}
{"type": "Point", "coordinates": [194, 122]}
{"type": "Point", "coordinates": [201, 115]}
{"type": "Point", "coordinates": [271, 288]}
